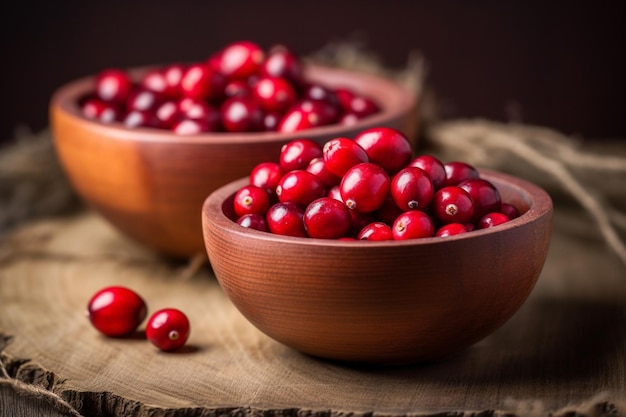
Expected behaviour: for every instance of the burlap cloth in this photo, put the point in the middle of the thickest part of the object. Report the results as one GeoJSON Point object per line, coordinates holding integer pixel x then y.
{"type": "Point", "coordinates": [562, 354]}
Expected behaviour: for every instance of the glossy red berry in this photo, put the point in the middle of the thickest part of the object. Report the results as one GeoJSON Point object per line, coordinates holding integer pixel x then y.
{"type": "Point", "coordinates": [274, 94]}
{"type": "Point", "coordinates": [509, 210]}
{"type": "Point", "coordinates": [240, 60]}
{"type": "Point", "coordinates": [485, 196]}
{"type": "Point", "coordinates": [412, 224]}
{"type": "Point", "coordinates": [411, 189]}
{"type": "Point", "coordinates": [173, 75]}
{"type": "Point", "coordinates": [113, 85]}
{"type": "Point", "coordinates": [242, 114]}
{"type": "Point", "coordinates": [376, 231]}
{"type": "Point", "coordinates": [168, 329]}
{"type": "Point", "coordinates": [386, 147]}
{"type": "Point", "coordinates": [251, 199]}
{"type": "Point", "coordinates": [451, 229]}
{"type": "Point", "coordinates": [201, 82]}
{"type": "Point", "coordinates": [116, 311]}
{"type": "Point", "coordinates": [491, 220]}
{"type": "Point", "coordinates": [96, 109]}
{"type": "Point", "coordinates": [140, 118]}
{"type": "Point", "coordinates": [318, 167]}
{"type": "Point", "coordinates": [452, 204]}
{"type": "Point", "coordinates": [167, 114]}
{"type": "Point", "coordinates": [253, 221]}
{"type": "Point", "coordinates": [154, 80]}
{"type": "Point", "coordinates": [286, 219]}
{"type": "Point", "coordinates": [433, 167]}
{"type": "Point", "coordinates": [335, 193]}
{"type": "Point", "coordinates": [364, 187]}
{"type": "Point", "coordinates": [191, 127]}
{"type": "Point", "coordinates": [266, 175]}
{"type": "Point", "coordinates": [271, 121]}
{"type": "Point", "coordinates": [307, 115]}
{"type": "Point", "coordinates": [388, 211]}
{"type": "Point", "coordinates": [457, 172]}
{"type": "Point", "coordinates": [327, 218]}
{"type": "Point", "coordinates": [237, 88]}
{"type": "Point", "coordinates": [300, 187]}
{"type": "Point", "coordinates": [356, 104]}
{"type": "Point", "coordinates": [282, 62]}
{"type": "Point", "coordinates": [298, 153]}
{"type": "Point", "coordinates": [341, 154]}
{"type": "Point", "coordinates": [143, 100]}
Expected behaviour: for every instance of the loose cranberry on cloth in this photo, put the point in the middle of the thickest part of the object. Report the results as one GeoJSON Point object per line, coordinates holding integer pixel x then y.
{"type": "Point", "coordinates": [563, 352]}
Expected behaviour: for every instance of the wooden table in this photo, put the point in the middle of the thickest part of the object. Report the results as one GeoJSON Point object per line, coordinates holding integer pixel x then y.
{"type": "Point", "coordinates": [564, 351]}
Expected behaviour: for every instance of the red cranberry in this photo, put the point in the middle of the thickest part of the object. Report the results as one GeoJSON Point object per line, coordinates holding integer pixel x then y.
{"type": "Point", "coordinates": [364, 187]}
{"type": "Point", "coordinates": [316, 92]}
{"type": "Point", "coordinates": [240, 60]}
{"type": "Point", "coordinates": [191, 108]}
{"type": "Point", "coordinates": [376, 231]}
{"type": "Point", "coordinates": [271, 120]}
{"type": "Point", "coordinates": [266, 175]}
{"type": "Point", "coordinates": [359, 220]}
{"type": "Point", "coordinates": [509, 210]}
{"type": "Point", "coordinates": [300, 187]}
{"type": "Point", "coordinates": [274, 94]}
{"type": "Point", "coordinates": [237, 88]}
{"type": "Point", "coordinates": [251, 199]}
{"type": "Point", "coordinates": [113, 85]}
{"type": "Point", "coordinates": [341, 154]}
{"type": "Point", "coordinates": [168, 329]}
{"type": "Point", "coordinates": [307, 115]}
{"type": "Point", "coordinates": [297, 154]}
{"type": "Point", "coordinates": [451, 229]}
{"type": "Point", "coordinates": [318, 167]}
{"type": "Point", "coordinates": [167, 114]}
{"type": "Point", "coordinates": [201, 82]}
{"type": "Point", "coordinates": [492, 220]}
{"type": "Point", "coordinates": [335, 192]}
{"type": "Point", "coordinates": [358, 105]}
{"type": "Point", "coordinates": [452, 204]}
{"type": "Point", "coordinates": [386, 147]}
{"type": "Point", "coordinates": [433, 167]}
{"type": "Point", "coordinates": [457, 172]}
{"type": "Point", "coordinates": [191, 127]}
{"type": "Point", "coordinates": [241, 114]}
{"type": "Point", "coordinates": [253, 221]}
{"type": "Point", "coordinates": [485, 196]}
{"type": "Point", "coordinates": [411, 189]}
{"type": "Point", "coordinates": [281, 62]}
{"type": "Point", "coordinates": [143, 100]}
{"type": "Point", "coordinates": [173, 78]}
{"type": "Point", "coordinates": [140, 118]}
{"type": "Point", "coordinates": [116, 311]}
{"type": "Point", "coordinates": [326, 218]}
{"type": "Point", "coordinates": [388, 211]}
{"type": "Point", "coordinates": [286, 219]}
{"type": "Point", "coordinates": [94, 108]}
{"type": "Point", "coordinates": [154, 81]}
{"type": "Point", "coordinates": [413, 224]}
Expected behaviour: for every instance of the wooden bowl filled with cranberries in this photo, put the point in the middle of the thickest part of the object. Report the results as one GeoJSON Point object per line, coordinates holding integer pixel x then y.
{"type": "Point", "coordinates": [145, 146]}
{"type": "Point", "coordinates": [359, 250]}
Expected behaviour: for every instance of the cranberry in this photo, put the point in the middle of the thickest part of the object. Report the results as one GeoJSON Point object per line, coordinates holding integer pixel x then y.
{"type": "Point", "coordinates": [358, 105]}
{"type": "Point", "coordinates": [286, 219]}
{"type": "Point", "coordinates": [297, 154]}
{"type": "Point", "coordinates": [281, 62]}
{"type": "Point", "coordinates": [364, 187]}
{"type": "Point", "coordinates": [241, 114]}
{"type": "Point", "coordinates": [341, 154]}
{"type": "Point", "coordinates": [167, 114]}
{"type": "Point", "coordinates": [113, 85]}
{"type": "Point", "coordinates": [94, 108]}
{"type": "Point", "coordinates": [274, 94]}
{"type": "Point", "coordinates": [191, 127]}
{"type": "Point", "coordinates": [116, 311]}
{"type": "Point", "coordinates": [509, 210]}
{"type": "Point", "coordinates": [173, 78]}
{"type": "Point", "coordinates": [451, 229]}
{"type": "Point", "coordinates": [191, 108]}
{"type": "Point", "coordinates": [388, 211]}
{"type": "Point", "coordinates": [240, 60]}
{"type": "Point", "coordinates": [271, 120]}
{"type": "Point", "coordinates": [485, 196]}
{"type": "Point", "coordinates": [491, 220]}
{"type": "Point", "coordinates": [143, 100]}
{"type": "Point", "coordinates": [318, 92]}
{"type": "Point", "coordinates": [306, 115]}
{"type": "Point", "coordinates": [386, 147]}
{"type": "Point", "coordinates": [376, 231]}
{"type": "Point", "coordinates": [413, 224]}
{"type": "Point", "coordinates": [154, 81]}
{"type": "Point", "coordinates": [300, 187]}
{"type": "Point", "coordinates": [359, 220]}
{"type": "Point", "coordinates": [318, 167]}
{"type": "Point", "coordinates": [201, 82]}
{"type": "Point", "coordinates": [326, 218]}
{"type": "Point", "coordinates": [457, 172]}
{"type": "Point", "coordinates": [251, 199]}
{"type": "Point", "coordinates": [140, 118]}
{"type": "Point", "coordinates": [253, 221]}
{"type": "Point", "coordinates": [168, 329]}
{"type": "Point", "coordinates": [452, 204]}
{"type": "Point", "coordinates": [411, 189]}
{"type": "Point", "coordinates": [433, 167]}
{"type": "Point", "coordinates": [266, 175]}
{"type": "Point", "coordinates": [335, 192]}
{"type": "Point", "coordinates": [237, 88]}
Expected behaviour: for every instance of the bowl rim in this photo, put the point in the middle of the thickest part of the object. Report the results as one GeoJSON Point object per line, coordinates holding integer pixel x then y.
{"type": "Point", "coordinates": [65, 100]}
{"type": "Point", "coordinates": [540, 205]}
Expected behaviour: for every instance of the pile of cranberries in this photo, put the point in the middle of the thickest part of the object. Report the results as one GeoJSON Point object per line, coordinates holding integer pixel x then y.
{"type": "Point", "coordinates": [241, 88]}
{"type": "Point", "coordinates": [118, 311]}
{"type": "Point", "coordinates": [367, 188]}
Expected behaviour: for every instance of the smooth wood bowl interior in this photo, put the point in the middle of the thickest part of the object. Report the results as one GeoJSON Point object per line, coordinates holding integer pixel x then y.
{"type": "Point", "coordinates": [151, 183]}
{"type": "Point", "coordinates": [381, 302]}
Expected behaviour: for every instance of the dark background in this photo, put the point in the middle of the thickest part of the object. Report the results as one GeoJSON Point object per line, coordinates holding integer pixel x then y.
{"type": "Point", "coordinates": [557, 63]}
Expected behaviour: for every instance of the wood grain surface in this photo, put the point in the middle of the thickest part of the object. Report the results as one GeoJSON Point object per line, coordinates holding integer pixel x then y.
{"type": "Point", "coordinates": [564, 351]}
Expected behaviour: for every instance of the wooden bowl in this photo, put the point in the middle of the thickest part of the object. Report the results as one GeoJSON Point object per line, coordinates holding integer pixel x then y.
{"type": "Point", "coordinates": [381, 302]}
{"type": "Point", "coordinates": [151, 183]}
